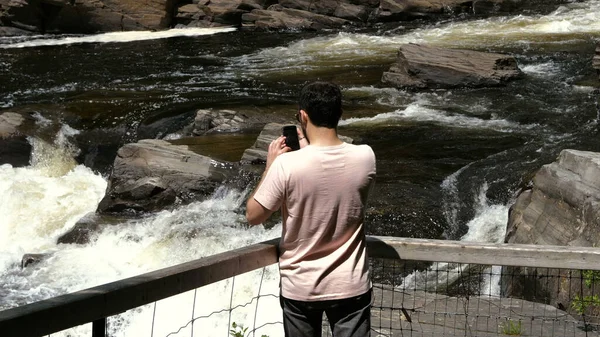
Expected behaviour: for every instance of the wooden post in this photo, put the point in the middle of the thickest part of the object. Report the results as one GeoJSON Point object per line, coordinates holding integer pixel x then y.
{"type": "Point", "coordinates": [99, 328]}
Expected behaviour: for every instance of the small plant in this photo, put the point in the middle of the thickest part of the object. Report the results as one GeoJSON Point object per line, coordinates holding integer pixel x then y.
{"type": "Point", "coordinates": [238, 330]}
{"type": "Point", "coordinates": [590, 277]}
{"type": "Point", "coordinates": [581, 303]}
{"type": "Point", "coordinates": [511, 328]}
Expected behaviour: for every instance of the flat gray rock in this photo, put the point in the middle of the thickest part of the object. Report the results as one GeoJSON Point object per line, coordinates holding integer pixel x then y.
{"type": "Point", "coordinates": [426, 67]}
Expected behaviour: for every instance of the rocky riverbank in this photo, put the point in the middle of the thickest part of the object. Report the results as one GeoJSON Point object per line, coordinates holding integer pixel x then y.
{"type": "Point", "coordinates": [92, 16]}
{"type": "Point", "coordinates": [561, 207]}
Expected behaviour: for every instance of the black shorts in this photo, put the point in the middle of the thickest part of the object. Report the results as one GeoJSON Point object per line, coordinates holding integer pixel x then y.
{"type": "Point", "coordinates": [348, 317]}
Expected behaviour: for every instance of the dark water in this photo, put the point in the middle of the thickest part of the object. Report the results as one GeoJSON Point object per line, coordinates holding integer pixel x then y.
{"type": "Point", "coordinates": [443, 157]}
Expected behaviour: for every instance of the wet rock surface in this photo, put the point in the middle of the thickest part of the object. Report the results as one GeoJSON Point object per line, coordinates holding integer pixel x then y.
{"type": "Point", "coordinates": [426, 67]}
{"type": "Point", "coordinates": [87, 16]}
{"type": "Point", "coordinates": [32, 259]}
{"type": "Point", "coordinates": [561, 208]}
{"type": "Point", "coordinates": [14, 147]}
{"type": "Point", "coordinates": [153, 174]}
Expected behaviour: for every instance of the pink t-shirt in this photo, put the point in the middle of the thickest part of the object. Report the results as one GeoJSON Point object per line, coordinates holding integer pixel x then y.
{"type": "Point", "coordinates": [322, 192]}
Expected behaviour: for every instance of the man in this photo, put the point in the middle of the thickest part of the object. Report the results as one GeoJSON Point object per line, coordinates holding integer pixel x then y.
{"type": "Point", "coordinates": [322, 190]}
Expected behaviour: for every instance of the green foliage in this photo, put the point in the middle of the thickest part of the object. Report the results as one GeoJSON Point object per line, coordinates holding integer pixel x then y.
{"type": "Point", "coordinates": [511, 328]}
{"type": "Point", "coordinates": [590, 277]}
{"type": "Point", "coordinates": [238, 330]}
{"type": "Point", "coordinates": [580, 304]}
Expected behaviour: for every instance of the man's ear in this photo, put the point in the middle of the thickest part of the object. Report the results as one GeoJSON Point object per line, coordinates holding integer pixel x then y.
{"type": "Point", "coordinates": [303, 117]}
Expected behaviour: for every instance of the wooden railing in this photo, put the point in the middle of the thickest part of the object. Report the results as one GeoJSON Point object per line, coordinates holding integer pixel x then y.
{"type": "Point", "coordinates": [97, 303]}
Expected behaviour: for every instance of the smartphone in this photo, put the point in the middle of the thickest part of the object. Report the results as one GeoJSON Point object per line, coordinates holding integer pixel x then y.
{"type": "Point", "coordinates": [291, 137]}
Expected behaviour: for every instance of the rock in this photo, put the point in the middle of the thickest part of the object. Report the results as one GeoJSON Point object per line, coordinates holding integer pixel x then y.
{"type": "Point", "coordinates": [84, 231]}
{"type": "Point", "coordinates": [31, 259]}
{"type": "Point", "coordinates": [596, 61]}
{"type": "Point", "coordinates": [153, 174]}
{"type": "Point", "coordinates": [98, 148]}
{"type": "Point", "coordinates": [278, 17]}
{"type": "Point", "coordinates": [88, 16]}
{"type": "Point", "coordinates": [423, 67]}
{"type": "Point", "coordinates": [227, 12]}
{"type": "Point", "coordinates": [563, 205]}
{"type": "Point", "coordinates": [323, 7]}
{"type": "Point", "coordinates": [319, 21]}
{"type": "Point", "coordinates": [189, 12]}
{"type": "Point", "coordinates": [10, 123]}
{"type": "Point", "coordinates": [258, 152]}
{"type": "Point", "coordinates": [562, 208]}
{"type": "Point", "coordinates": [213, 121]}
{"type": "Point", "coordinates": [218, 121]}
{"type": "Point", "coordinates": [14, 147]}
{"type": "Point", "coordinates": [12, 31]}
{"type": "Point", "coordinates": [353, 12]}
{"type": "Point", "coordinates": [393, 10]}
{"type": "Point", "coordinates": [80, 233]}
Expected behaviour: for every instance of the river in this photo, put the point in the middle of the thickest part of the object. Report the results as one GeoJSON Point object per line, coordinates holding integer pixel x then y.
{"type": "Point", "coordinates": [450, 162]}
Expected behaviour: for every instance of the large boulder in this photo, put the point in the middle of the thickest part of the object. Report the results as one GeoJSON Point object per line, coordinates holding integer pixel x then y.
{"type": "Point", "coordinates": [87, 16]}
{"type": "Point", "coordinates": [209, 121]}
{"type": "Point", "coordinates": [562, 208]}
{"type": "Point", "coordinates": [14, 147]}
{"type": "Point", "coordinates": [154, 174]}
{"type": "Point", "coordinates": [424, 67]}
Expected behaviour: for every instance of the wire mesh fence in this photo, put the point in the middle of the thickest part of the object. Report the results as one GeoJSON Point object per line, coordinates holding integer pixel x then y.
{"type": "Point", "coordinates": [442, 299]}
{"type": "Point", "coordinates": [416, 298]}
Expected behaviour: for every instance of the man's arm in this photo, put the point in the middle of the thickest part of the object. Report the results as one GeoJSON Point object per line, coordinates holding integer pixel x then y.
{"type": "Point", "coordinates": [255, 212]}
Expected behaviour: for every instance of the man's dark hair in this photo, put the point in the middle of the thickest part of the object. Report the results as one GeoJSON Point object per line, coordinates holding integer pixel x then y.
{"type": "Point", "coordinates": [322, 101]}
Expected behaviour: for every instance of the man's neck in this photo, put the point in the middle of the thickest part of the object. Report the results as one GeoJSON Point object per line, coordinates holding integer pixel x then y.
{"type": "Point", "coordinates": [321, 136]}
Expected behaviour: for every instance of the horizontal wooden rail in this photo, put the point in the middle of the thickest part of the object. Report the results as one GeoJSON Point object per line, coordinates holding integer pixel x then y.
{"type": "Point", "coordinates": [95, 304]}
{"type": "Point", "coordinates": [62, 312]}
{"type": "Point", "coordinates": [498, 254]}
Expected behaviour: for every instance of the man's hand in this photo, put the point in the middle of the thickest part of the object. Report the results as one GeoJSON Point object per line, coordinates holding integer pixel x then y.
{"type": "Point", "coordinates": [276, 148]}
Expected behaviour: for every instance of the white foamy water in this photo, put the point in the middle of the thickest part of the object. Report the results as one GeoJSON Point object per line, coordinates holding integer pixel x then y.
{"type": "Point", "coordinates": [115, 37]}
{"type": "Point", "coordinates": [40, 202]}
{"type": "Point", "coordinates": [487, 225]}
{"type": "Point", "coordinates": [420, 112]}
{"type": "Point", "coordinates": [168, 238]}
{"type": "Point", "coordinates": [546, 69]}
{"type": "Point", "coordinates": [489, 222]}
